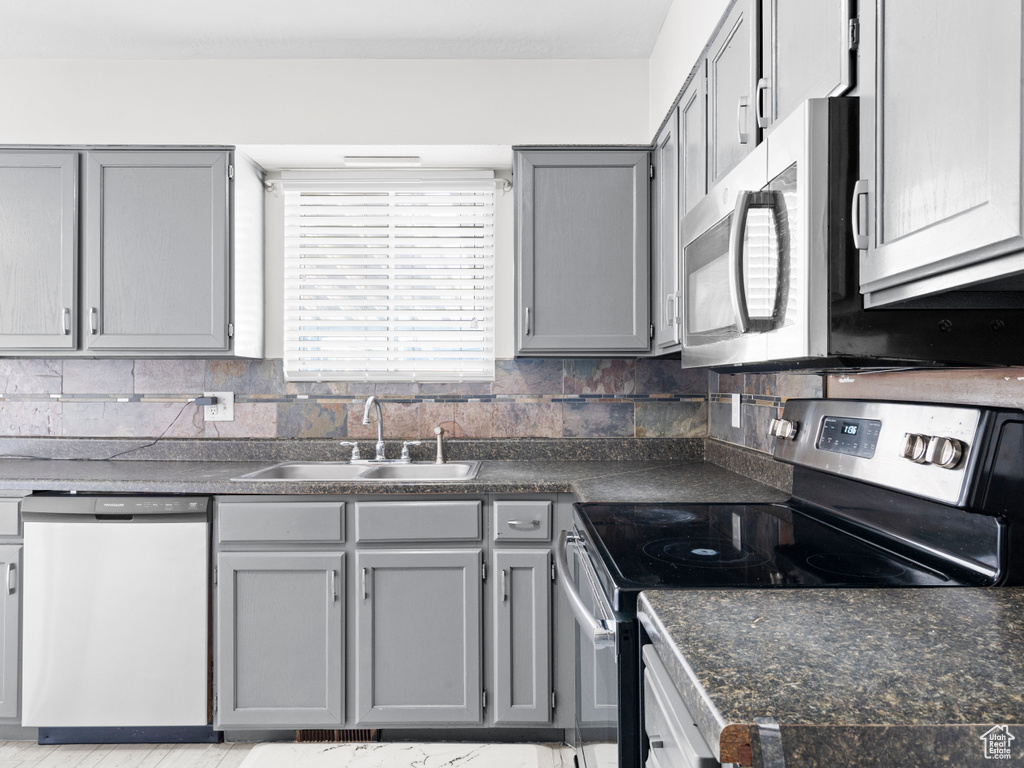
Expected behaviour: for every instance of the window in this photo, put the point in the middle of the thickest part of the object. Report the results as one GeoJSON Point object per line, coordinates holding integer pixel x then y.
{"type": "Point", "coordinates": [390, 280]}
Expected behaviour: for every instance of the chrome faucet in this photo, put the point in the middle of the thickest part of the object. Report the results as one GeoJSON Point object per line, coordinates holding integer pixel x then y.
{"type": "Point", "coordinates": [372, 400]}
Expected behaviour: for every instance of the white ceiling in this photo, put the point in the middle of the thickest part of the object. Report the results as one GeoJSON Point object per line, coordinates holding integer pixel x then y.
{"type": "Point", "coordinates": [314, 29]}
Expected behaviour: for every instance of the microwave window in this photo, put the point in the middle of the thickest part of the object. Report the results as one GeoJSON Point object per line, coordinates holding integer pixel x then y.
{"type": "Point", "coordinates": [709, 304]}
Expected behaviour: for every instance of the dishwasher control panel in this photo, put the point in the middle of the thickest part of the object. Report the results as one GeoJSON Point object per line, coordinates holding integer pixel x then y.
{"type": "Point", "coordinates": [144, 506]}
{"type": "Point", "coordinates": [113, 505]}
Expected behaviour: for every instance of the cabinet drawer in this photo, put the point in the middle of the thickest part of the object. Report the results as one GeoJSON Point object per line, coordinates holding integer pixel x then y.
{"type": "Point", "coordinates": [292, 521]}
{"type": "Point", "coordinates": [9, 522]}
{"type": "Point", "coordinates": [418, 520]}
{"type": "Point", "coordinates": [669, 725]}
{"type": "Point", "coordinates": [522, 520]}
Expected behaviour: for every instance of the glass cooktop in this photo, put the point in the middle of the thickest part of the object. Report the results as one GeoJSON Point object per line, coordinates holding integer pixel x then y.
{"type": "Point", "coordinates": [647, 546]}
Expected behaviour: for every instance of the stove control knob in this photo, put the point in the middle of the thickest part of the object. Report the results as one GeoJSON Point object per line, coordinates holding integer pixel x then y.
{"type": "Point", "coordinates": [783, 429]}
{"type": "Point", "coordinates": [914, 448]}
{"type": "Point", "coordinates": [944, 452]}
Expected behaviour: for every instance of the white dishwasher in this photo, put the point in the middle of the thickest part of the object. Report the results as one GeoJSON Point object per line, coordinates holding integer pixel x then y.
{"type": "Point", "coordinates": [115, 611]}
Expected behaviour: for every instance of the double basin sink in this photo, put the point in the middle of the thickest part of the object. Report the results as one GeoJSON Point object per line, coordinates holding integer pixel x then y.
{"type": "Point", "coordinates": [327, 471]}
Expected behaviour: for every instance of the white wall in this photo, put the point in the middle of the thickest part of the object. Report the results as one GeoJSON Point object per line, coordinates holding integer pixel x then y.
{"type": "Point", "coordinates": [684, 34]}
{"type": "Point", "coordinates": [324, 102]}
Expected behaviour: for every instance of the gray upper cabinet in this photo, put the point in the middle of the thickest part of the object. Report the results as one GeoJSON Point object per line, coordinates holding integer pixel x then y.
{"type": "Point", "coordinates": [665, 238]}
{"type": "Point", "coordinates": [280, 639]}
{"type": "Point", "coordinates": [522, 636]}
{"type": "Point", "coordinates": [418, 647]}
{"type": "Point", "coordinates": [156, 251]}
{"type": "Point", "coordinates": [732, 69]}
{"type": "Point", "coordinates": [582, 251]}
{"type": "Point", "coordinates": [150, 253]}
{"type": "Point", "coordinates": [939, 203]}
{"type": "Point", "coordinates": [693, 144]}
{"type": "Point", "coordinates": [807, 52]}
{"type": "Point", "coordinates": [38, 250]}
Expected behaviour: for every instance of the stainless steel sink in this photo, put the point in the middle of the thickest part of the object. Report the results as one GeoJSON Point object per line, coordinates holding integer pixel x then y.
{"type": "Point", "coordinates": [326, 471]}
{"type": "Point", "coordinates": [308, 470]}
{"type": "Point", "coordinates": [454, 470]}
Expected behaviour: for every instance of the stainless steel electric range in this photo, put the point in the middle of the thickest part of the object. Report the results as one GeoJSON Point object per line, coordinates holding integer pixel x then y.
{"type": "Point", "coordinates": [884, 495]}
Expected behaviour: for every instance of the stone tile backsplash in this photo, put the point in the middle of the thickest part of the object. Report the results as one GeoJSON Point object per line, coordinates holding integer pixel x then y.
{"type": "Point", "coordinates": [762, 397]}
{"type": "Point", "coordinates": [528, 398]}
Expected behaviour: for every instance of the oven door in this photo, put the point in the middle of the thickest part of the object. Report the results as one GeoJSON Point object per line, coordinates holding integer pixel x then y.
{"type": "Point", "coordinates": [597, 690]}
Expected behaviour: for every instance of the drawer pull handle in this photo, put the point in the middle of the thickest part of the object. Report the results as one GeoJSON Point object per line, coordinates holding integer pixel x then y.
{"type": "Point", "coordinates": [365, 593]}
{"type": "Point", "coordinates": [524, 523]}
{"type": "Point", "coordinates": [332, 580]}
{"type": "Point", "coordinates": [504, 585]}
{"type": "Point", "coordinates": [12, 578]}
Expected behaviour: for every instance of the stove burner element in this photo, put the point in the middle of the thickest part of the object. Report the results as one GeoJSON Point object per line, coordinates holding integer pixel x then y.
{"type": "Point", "coordinates": [860, 566]}
{"type": "Point", "coordinates": [659, 516]}
{"type": "Point", "coordinates": [702, 553]}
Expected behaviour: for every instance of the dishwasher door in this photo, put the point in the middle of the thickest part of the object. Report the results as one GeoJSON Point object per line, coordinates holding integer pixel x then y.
{"type": "Point", "coordinates": [116, 612]}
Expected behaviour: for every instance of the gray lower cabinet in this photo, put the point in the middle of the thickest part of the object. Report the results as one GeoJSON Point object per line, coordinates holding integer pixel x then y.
{"type": "Point", "coordinates": [522, 636]}
{"type": "Point", "coordinates": [10, 630]}
{"type": "Point", "coordinates": [940, 203]}
{"type": "Point", "coordinates": [280, 640]}
{"type": "Point", "coordinates": [38, 250]}
{"type": "Point", "coordinates": [582, 251]}
{"type": "Point", "coordinates": [418, 656]}
{"type": "Point", "coordinates": [156, 252]}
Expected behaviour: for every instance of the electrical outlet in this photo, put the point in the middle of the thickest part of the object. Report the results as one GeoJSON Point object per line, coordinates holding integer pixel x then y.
{"type": "Point", "coordinates": [224, 410]}
{"type": "Point", "coordinates": [735, 411]}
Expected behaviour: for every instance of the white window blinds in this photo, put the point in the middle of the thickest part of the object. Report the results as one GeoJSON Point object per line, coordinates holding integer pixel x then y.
{"type": "Point", "coordinates": [389, 280]}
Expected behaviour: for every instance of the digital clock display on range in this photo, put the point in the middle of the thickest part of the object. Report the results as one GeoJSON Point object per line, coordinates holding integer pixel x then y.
{"type": "Point", "coordinates": [855, 437]}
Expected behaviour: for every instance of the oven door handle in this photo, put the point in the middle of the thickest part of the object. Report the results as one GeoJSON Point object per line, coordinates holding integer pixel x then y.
{"type": "Point", "coordinates": [603, 630]}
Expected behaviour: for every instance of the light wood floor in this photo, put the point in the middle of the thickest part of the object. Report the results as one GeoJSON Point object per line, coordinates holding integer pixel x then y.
{"type": "Point", "coordinates": [28, 754]}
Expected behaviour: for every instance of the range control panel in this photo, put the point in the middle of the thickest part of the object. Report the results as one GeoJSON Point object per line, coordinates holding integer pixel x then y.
{"type": "Point", "coordinates": [857, 437]}
{"type": "Point", "coordinates": [916, 448]}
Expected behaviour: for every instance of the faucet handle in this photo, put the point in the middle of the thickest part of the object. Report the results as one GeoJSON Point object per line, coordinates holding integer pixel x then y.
{"type": "Point", "coordinates": [405, 448]}
{"type": "Point", "coordinates": [355, 449]}
{"type": "Point", "coordinates": [439, 431]}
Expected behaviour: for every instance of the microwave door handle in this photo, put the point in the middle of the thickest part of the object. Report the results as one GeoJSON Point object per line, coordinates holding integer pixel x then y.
{"type": "Point", "coordinates": [603, 632]}
{"type": "Point", "coordinates": [736, 291]}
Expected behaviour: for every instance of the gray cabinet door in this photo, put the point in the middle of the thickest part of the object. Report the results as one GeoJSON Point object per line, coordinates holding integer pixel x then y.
{"type": "Point", "coordinates": [522, 636]}
{"type": "Point", "coordinates": [665, 238]}
{"type": "Point", "coordinates": [38, 250]}
{"type": "Point", "coordinates": [280, 640]}
{"type": "Point", "coordinates": [805, 54]}
{"type": "Point", "coordinates": [156, 251]}
{"type": "Point", "coordinates": [940, 197]}
{"type": "Point", "coordinates": [10, 631]}
{"type": "Point", "coordinates": [732, 67]}
{"type": "Point", "coordinates": [418, 654]}
{"type": "Point", "coordinates": [582, 252]}
{"type": "Point", "coordinates": [693, 144]}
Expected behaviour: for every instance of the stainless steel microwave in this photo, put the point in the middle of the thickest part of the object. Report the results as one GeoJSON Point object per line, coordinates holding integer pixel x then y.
{"type": "Point", "coordinates": [770, 272]}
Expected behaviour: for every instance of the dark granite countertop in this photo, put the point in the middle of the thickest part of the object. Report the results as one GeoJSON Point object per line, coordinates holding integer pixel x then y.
{"type": "Point", "coordinates": [605, 481]}
{"type": "Point", "coordinates": [854, 677]}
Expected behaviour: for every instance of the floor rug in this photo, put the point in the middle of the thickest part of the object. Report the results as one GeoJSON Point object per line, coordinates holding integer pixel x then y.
{"type": "Point", "coordinates": [408, 755]}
